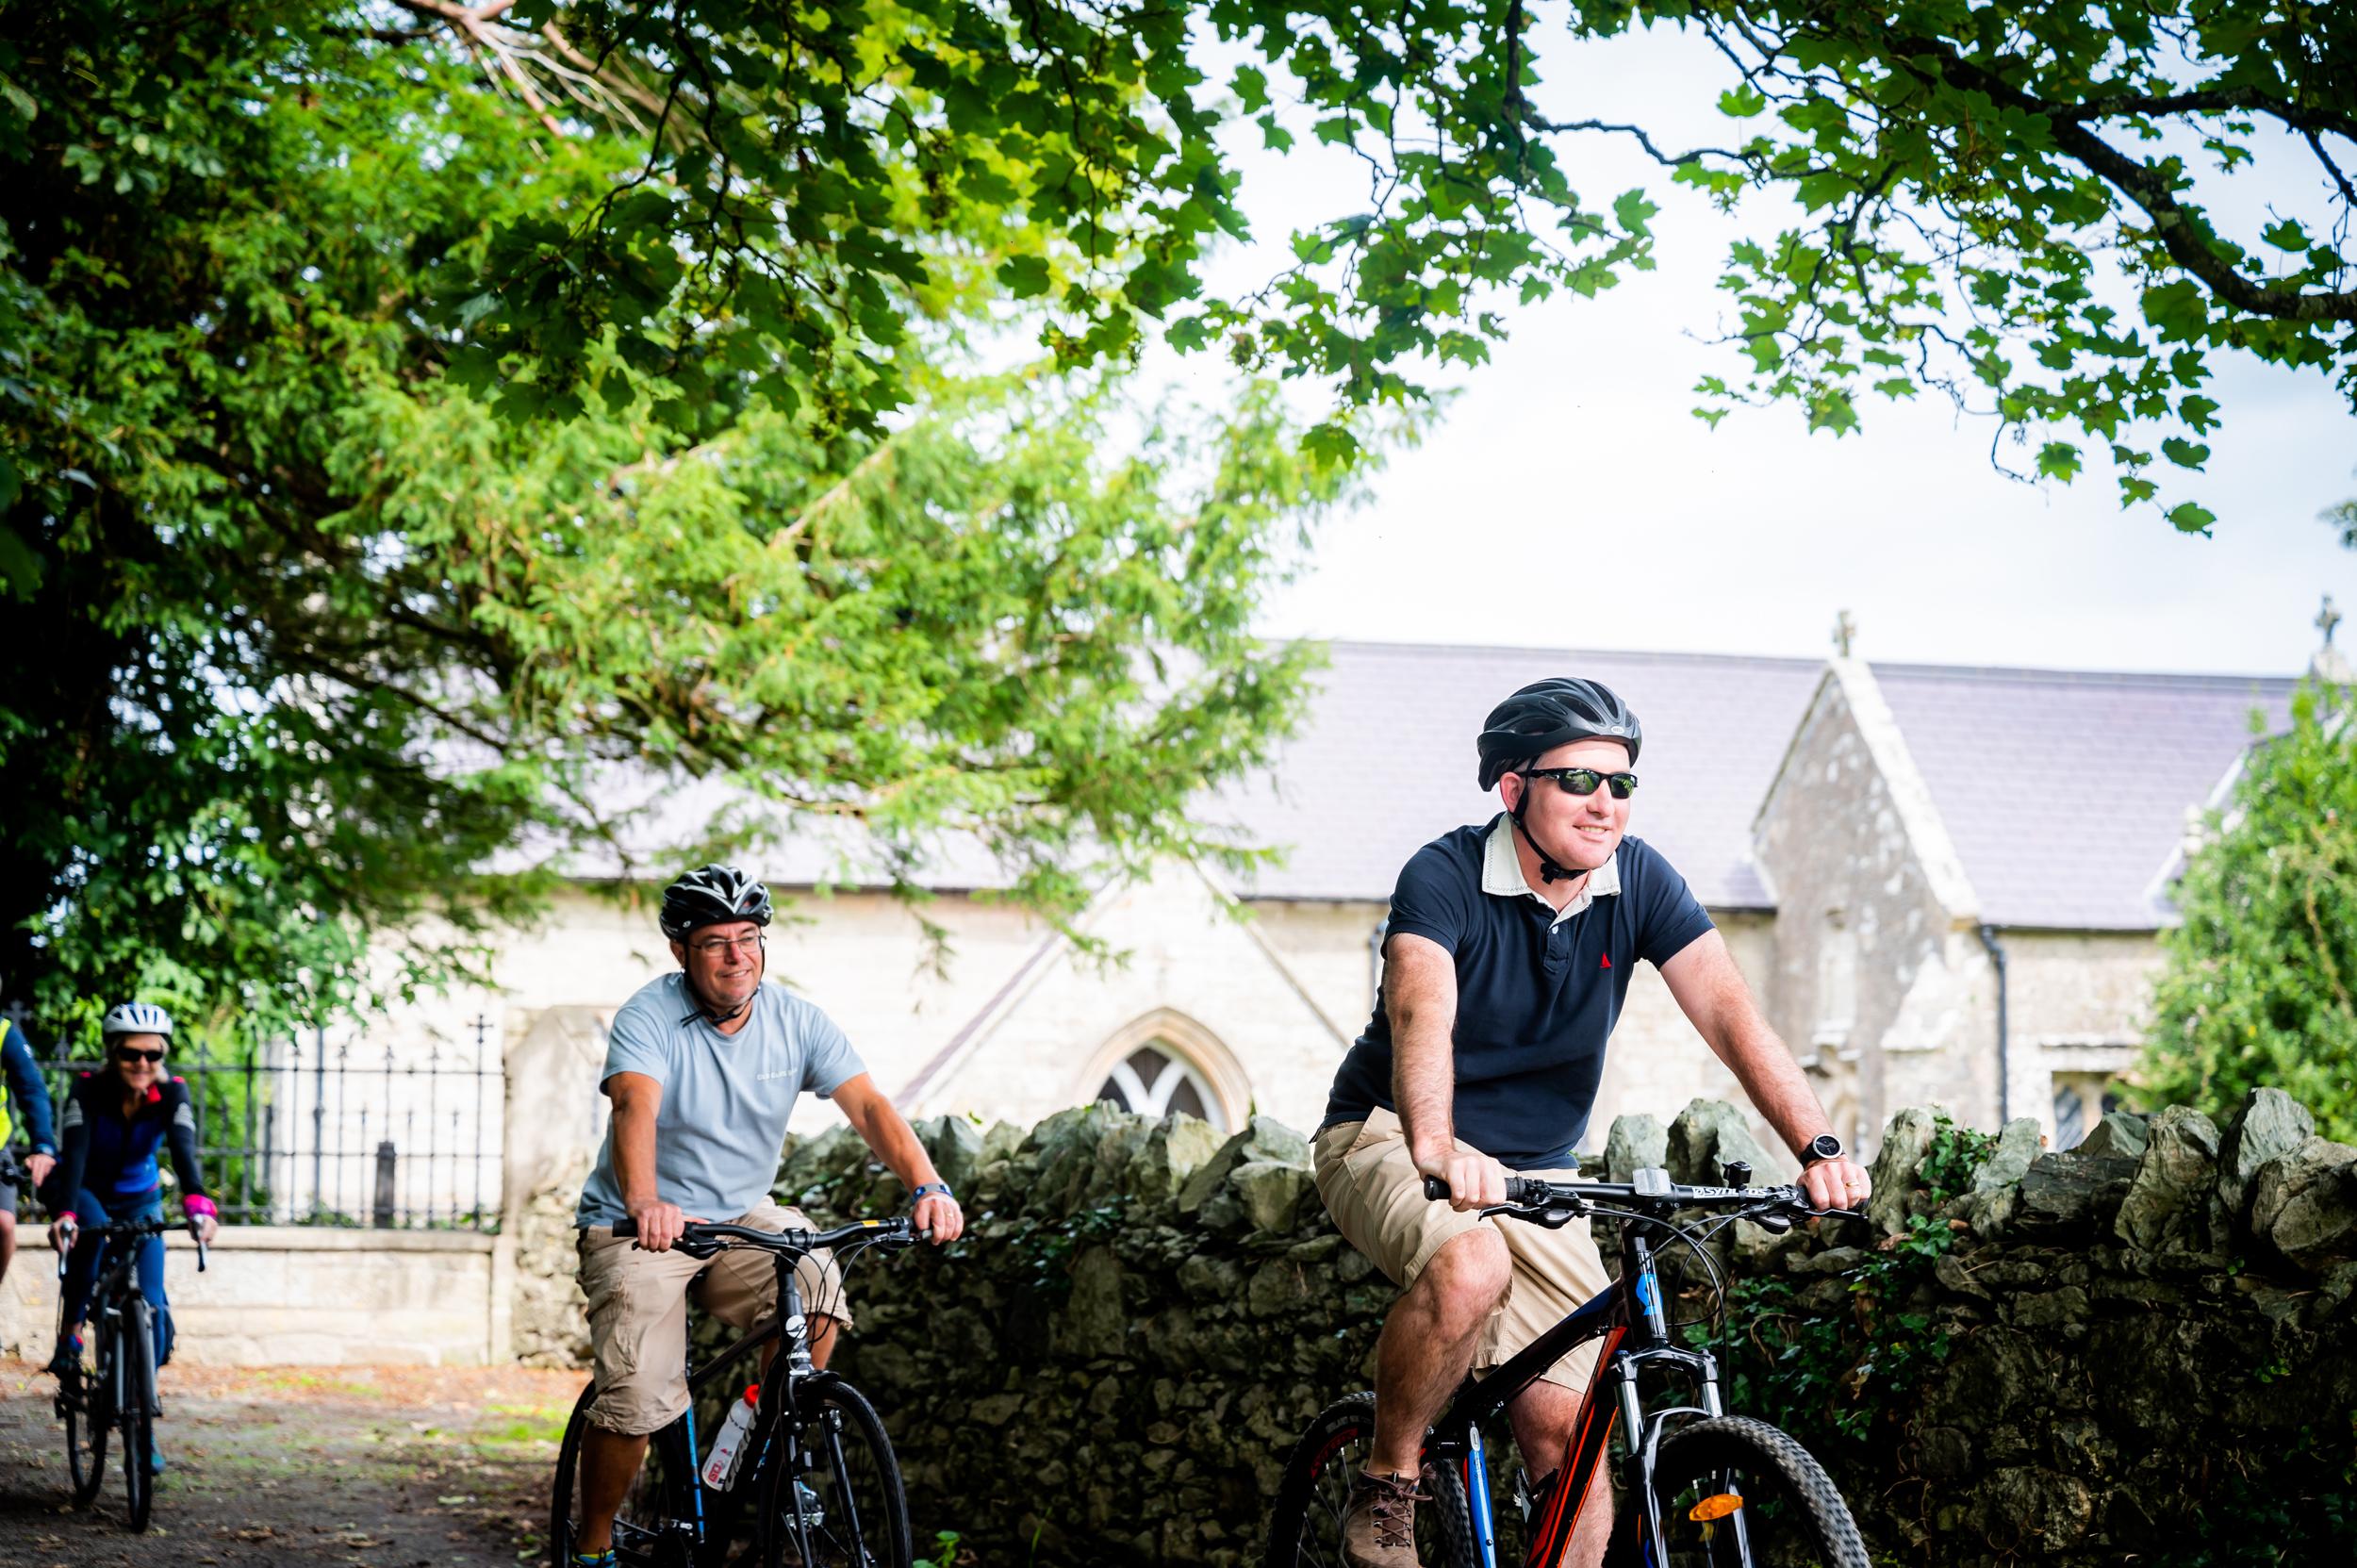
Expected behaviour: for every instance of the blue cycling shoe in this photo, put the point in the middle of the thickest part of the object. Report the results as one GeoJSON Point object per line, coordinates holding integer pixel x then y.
{"type": "Point", "coordinates": [154, 1460]}
{"type": "Point", "coordinates": [593, 1559]}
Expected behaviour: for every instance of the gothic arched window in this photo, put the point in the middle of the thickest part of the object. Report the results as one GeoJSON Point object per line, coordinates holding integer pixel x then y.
{"type": "Point", "coordinates": [1154, 1081]}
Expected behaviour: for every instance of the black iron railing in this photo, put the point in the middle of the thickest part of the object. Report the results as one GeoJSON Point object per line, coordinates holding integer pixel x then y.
{"type": "Point", "coordinates": [320, 1131]}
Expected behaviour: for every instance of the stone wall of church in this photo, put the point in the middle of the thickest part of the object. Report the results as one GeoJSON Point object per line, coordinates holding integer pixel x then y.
{"type": "Point", "coordinates": [2077, 1007]}
{"type": "Point", "coordinates": [1875, 984]}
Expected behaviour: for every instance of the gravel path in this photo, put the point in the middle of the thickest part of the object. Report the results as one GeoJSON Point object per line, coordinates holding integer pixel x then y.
{"type": "Point", "coordinates": [361, 1467]}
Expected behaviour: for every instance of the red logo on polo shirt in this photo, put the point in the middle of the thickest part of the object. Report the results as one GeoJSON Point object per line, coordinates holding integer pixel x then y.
{"type": "Point", "coordinates": [1607, 961]}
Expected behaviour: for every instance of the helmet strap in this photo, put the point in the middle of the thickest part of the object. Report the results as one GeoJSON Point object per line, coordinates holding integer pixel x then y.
{"type": "Point", "coordinates": [1548, 871]}
{"type": "Point", "coordinates": [703, 1005]}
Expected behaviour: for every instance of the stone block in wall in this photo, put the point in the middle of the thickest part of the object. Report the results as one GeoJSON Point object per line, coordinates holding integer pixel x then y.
{"type": "Point", "coordinates": [2305, 1204]}
{"type": "Point", "coordinates": [2172, 1203]}
{"type": "Point", "coordinates": [1262, 1141]}
{"type": "Point", "coordinates": [1709, 1135]}
{"type": "Point", "coordinates": [1637, 1142]}
{"type": "Point", "coordinates": [2268, 1123]}
{"type": "Point", "coordinates": [2119, 1132]}
{"type": "Point", "coordinates": [2071, 1197]}
{"type": "Point", "coordinates": [1905, 1141]}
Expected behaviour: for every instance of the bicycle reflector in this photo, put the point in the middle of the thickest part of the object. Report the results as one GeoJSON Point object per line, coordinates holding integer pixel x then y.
{"type": "Point", "coordinates": [1715, 1507]}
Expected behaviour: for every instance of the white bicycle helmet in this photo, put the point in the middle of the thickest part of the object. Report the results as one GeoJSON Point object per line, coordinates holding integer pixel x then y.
{"type": "Point", "coordinates": [136, 1017]}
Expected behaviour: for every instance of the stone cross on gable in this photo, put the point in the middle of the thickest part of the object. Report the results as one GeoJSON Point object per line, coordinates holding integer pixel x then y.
{"type": "Point", "coordinates": [1844, 629]}
{"type": "Point", "coordinates": [2328, 619]}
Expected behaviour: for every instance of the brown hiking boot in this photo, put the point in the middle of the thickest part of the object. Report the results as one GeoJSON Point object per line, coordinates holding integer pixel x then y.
{"type": "Point", "coordinates": [1379, 1523]}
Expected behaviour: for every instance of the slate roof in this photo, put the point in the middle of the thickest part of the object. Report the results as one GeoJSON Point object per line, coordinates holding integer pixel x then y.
{"type": "Point", "coordinates": [2065, 792]}
{"type": "Point", "coordinates": [1385, 762]}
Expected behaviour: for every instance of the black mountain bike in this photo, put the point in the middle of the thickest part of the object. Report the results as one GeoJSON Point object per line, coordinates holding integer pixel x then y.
{"type": "Point", "coordinates": [1701, 1488]}
{"type": "Point", "coordinates": [817, 1470]}
{"type": "Point", "coordinates": [112, 1386]}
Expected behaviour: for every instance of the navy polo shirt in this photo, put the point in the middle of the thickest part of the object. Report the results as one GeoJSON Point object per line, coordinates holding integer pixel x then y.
{"type": "Point", "coordinates": [1537, 996]}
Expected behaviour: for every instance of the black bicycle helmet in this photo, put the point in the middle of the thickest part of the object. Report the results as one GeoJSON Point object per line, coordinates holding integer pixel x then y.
{"type": "Point", "coordinates": [713, 895]}
{"type": "Point", "coordinates": [1550, 712]}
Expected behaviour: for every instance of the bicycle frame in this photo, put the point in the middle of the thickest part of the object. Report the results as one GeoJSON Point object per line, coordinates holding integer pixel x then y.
{"type": "Point", "coordinates": [1634, 1343]}
{"type": "Point", "coordinates": [782, 1381]}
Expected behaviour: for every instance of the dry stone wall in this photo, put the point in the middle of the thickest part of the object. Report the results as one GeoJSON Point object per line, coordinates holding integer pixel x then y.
{"type": "Point", "coordinates": [2142, 1351]}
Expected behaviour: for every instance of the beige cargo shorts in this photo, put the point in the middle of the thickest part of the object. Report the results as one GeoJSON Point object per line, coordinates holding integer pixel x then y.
{"type": "Point", "coordinates": [1375, 1195]}
{"type": "Point", "coordinates": [638, 1312]}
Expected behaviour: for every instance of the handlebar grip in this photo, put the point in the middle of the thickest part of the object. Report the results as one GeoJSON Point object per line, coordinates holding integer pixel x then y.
{"type": "Point", "coordinates": [625, 1227]}
{"type": "Point", "coordinates": [1519, 1189]}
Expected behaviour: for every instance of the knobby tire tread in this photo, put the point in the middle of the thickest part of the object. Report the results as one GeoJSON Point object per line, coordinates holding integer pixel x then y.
{"type": "Point", "coordinates": [1755, 1447]}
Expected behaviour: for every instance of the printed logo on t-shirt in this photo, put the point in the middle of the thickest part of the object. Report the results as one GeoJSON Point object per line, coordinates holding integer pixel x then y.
{"type": "Point", "coordinates": [1607, 961]}
{"type": "Point", "coordinates": [772, 1078]}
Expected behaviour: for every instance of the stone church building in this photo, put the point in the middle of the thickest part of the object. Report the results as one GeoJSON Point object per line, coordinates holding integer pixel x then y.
{"type": "Point", "coordinates": [1943, 883]}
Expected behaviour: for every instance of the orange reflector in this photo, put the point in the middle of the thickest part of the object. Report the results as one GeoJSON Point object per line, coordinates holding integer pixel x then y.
{"type": "Point", "coordinates": [1717, 1506]}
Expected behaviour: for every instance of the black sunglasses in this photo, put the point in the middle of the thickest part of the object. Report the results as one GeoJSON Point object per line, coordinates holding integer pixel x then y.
{"type": "Point", "coordinates": [1582, 781]}
{"type": "Point", "coordinates": [125, 1053]}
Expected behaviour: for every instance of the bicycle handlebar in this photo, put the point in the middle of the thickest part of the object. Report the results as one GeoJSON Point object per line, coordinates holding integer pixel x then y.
{"type": "Point", "coordinates": [131, 1229]}
{"type": "Point", "coordinates": [1652, 1189]}
{"type": "Point", "coordinates": [698, 1234]}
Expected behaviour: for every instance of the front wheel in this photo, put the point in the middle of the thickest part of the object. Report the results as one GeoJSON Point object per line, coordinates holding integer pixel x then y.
{"type": "Point", "coordinates": [1306, 1524]}
{"type": "Point", "coordinates": [138, 1350]}
{"type": "Point", "coordinates": [1735, 1492]}
{"type": "Point", "coordinates": [83, 1395]}
{"type": "Point", "coordinates": [831, 1493]}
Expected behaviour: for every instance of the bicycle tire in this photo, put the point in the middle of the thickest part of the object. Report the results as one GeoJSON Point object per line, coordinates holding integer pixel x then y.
{"type": "Point", "coordinates": [139, 1410]}
{"type": "Point", "coordinates": [840, 1502]}
{"type": "Point", "coordinates": [1304, 1524]}
{"type": "Point", "coordinates": [87, 1420]}
{"type": "Point", "coordinates": [1793, 1515]}
{"type": "Point", "coordinates": [648, 1528]}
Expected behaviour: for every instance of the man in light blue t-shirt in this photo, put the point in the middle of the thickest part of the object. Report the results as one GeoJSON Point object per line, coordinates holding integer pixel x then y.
{"type": "Point", "coordinates": [703, 1067]}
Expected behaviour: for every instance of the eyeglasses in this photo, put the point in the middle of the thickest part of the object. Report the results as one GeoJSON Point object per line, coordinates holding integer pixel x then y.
{"type": "Point", "coordinates": [126, 1054]}
{"type": "Point", "coordinates": [1582, 781]}
{"type": "Point", "coordinates": [720, 946]}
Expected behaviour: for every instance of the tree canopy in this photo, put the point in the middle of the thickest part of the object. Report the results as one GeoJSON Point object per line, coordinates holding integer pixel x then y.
{"type": "Point", "coordinates": [2043, 212]}
{"type": "Point", "coordinates": [2260, 984]}
{"type": "Point", "coordinates": [317, 664]}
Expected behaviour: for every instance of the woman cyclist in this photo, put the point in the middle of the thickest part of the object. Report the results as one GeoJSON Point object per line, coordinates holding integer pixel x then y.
{"type": "Point", "coordinates": [110, 1127]}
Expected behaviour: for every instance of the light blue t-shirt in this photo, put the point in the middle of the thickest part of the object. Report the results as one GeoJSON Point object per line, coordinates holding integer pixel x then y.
{"type": "Point", "coordinates": [726, 1098]}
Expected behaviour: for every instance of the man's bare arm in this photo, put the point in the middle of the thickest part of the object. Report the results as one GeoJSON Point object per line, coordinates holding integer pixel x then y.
{"type": "Point", "coordinates": [879, 1124]}
{"type": "Point", "coordinates": [1712, 992]}
{"type": "Point", "coordinates": [636, 1100]}
{"type": "Point", "coordinates": [1420, 996]}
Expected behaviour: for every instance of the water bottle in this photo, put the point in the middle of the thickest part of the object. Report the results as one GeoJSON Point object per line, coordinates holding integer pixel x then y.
{"type": "Point", "coordinates": [729, 1446]}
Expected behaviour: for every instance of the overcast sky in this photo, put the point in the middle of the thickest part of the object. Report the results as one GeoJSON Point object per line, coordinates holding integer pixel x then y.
{"type": "Point", "coordinates": [1570, 499]}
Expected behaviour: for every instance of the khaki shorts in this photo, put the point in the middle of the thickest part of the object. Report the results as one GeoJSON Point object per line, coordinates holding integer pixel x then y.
{"type": "Point", "coordinates": [1375, 1195]}
{"type": "Point", "coordinates": [638, 1312]}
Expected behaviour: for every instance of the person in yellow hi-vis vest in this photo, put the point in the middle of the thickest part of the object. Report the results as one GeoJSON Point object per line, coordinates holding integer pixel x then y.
{"type": "Point", "coordinates": [32, 1097]}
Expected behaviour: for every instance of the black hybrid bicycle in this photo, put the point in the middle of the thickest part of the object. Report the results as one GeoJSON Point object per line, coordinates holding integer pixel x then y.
{"type": "Point", "coordinates": [112, 1387]}
{"type": "Point", "coordinates": [817, 1470]}
{"type": "Point", "coordinates": [1701, 1488]}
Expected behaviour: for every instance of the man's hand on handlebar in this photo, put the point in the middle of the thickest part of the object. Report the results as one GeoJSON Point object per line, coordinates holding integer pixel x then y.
{"type": "Point", "coordinates": [61, 1234]}
{"type": "Point", "coordinates": [1836, 1183]}
{"type": "Point", "coordinates": [938, 1217]}
{"type": "Point", "coordinates": [1474, 1181]}
{"type": "Point", "coordinates": [659, 1224]}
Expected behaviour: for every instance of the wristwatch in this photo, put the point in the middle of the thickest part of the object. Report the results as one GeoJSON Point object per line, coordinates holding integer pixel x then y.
{"type": "Point", "coordinates": [931, 1189]}
{"type": "Point", "coordinates": [1823, 1147]}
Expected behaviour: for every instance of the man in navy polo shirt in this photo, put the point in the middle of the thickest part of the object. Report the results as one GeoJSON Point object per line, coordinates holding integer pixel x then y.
{"type": "Point", "coordinates": [1507, 958]}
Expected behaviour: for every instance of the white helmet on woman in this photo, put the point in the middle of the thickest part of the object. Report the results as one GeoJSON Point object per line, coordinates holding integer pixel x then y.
{"type": "Point", "coordinates": [136, 1017]}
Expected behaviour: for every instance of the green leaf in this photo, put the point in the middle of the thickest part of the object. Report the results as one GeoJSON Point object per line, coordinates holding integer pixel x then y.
{"type": "Point", "coordinates": [2188, 517]}
{"type": "Point", "coordinates": [1025, 277]}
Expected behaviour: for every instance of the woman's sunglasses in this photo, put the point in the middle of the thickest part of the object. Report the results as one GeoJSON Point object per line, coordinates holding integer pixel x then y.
{"type": "Point", "coordinates": [128, 1054]}
{"type": "Point", "coordinates": [1582, 781]}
